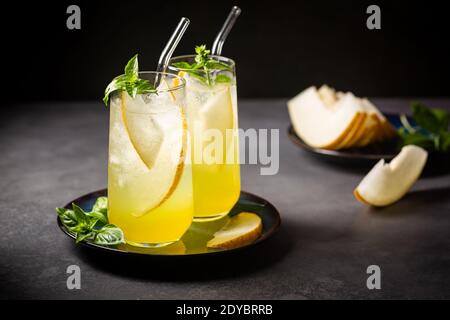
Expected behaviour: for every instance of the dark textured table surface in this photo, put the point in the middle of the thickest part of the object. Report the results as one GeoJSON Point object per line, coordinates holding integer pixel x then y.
{"type": "Point", "coordinates": [55, 152]}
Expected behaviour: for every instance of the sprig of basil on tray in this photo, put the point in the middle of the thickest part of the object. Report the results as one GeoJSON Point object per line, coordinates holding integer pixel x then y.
{"type": "Point", "coordinates": [431, 131]}
{"type": "Point", "coordinates": [203, 67]}
{"type": "Point", "coordinates": [93, 225]}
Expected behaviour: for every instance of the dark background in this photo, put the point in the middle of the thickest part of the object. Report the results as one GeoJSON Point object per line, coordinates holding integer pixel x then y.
{"type": "Point", "coordinates": [280, 47]}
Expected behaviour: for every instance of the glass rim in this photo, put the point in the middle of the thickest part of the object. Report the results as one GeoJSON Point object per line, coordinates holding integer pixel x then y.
{"type": "Point", "coordinates": [232, 63]}
{"type": "Point", "coordinates": [167, 74]}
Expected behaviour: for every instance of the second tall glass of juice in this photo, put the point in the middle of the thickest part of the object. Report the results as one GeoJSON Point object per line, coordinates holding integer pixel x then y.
{"type": "Point", "coordinates": [213, 124]}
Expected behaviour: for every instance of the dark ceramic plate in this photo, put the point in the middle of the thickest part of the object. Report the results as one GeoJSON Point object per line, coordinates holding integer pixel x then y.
{"type": "Point", "coordinates": [437, 163]}
{"type": "Point", "coordinates": [194, 240]}
{"type": "Point", "coordinates": [386, 150]}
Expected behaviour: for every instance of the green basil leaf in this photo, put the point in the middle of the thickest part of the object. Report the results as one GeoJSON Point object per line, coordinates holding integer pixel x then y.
{"type": "Point", "coordinates": [221, 78]}
{"type": "Point", "coordinates": [82, 217]}
{"type": "Point", "coordinates": [445, 141]}
{"type": "Point", "coordinates": [201, 50]}
{"type": "Point", "coordinates": [131, 89]}
{"type": "Point", "coordinates": [93, 223]}
{"type": "Point", "coordinates": [207, 64]}
{"type": "Point", "coordinates": [144, 86]}
{"type": "Point", "coordinates": [425, 118]}
{"type": "Point", "coordinates": [217, 65]}
{"type": "Point", "coordinates": [97, 216]}
{"type": "Point", "coordinates": [443, 116]}
{"type": "Point", "coordinates": [101, 205]}
{"type": "Point", "coordinates": [109, 235]}
{"type": "Point", "coordinates": [182, 65]}
{"type": "Point", "coordinates": [198, 75]}
{"type": "Point", "coordinates": [99, 211]}
{"type": "Point", "coordinates": [419, 140]}
{"type": "Point", "coordinates": [68, 218]}
{"type": "Point", "coordinates": [118, 83]}
{"type": "Point", "coordinates": [84, 236]}
{"type": "Point", "coordinates": [202, 55]}
{"type": "Point", "coordinates": [132, 69]}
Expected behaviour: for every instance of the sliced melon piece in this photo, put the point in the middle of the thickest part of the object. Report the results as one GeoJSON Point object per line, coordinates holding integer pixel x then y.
{"type": "Point", "coordinates": [216, 114]}
{"type": "Point", "coordinates": [371, 131]}
{"type": "Point", "coordinates": [159, 137]}
{"type": "Point", "coordinates": [242, 229]}
{"type": "Point", "coordinates": [385, 128]}
{"type": "Point", "coordinates": [327, 95]}
{"type": "Point", "coordinates": [372, 126]}
{"type": "Point", "coordinates": [387, 183]}
{"type": "Point", "coordinates": [353, 134]}
{"type": "Point", "coordinates": [334, 120]}
{"type": "Point", "coordinates": [359, 127]}
{"type": "Point", "coordinates": [319, 125]}
{"type": "Point", "coordinates": [146, 136]}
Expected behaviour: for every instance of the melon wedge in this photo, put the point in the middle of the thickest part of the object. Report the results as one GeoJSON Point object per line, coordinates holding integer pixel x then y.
{"type": "Point", "coordinates": [386, 183]}
{"type": "Point", "coordinates": [146, 136]}
{"type": "Point", "coordinates": [333, 120]}
{"type": "Point", "coordinates": [319, 125]}
{"type": "Point", "coordinates": [242, 229]}
{"type": "Point", "coordinates": [372, 126]}
{"type": "Point", "coordinates": [359, 127]}
{"type": "Point", "coordinates": [327, 95]}
{"type": "Point", "coordinates": [159, 138]}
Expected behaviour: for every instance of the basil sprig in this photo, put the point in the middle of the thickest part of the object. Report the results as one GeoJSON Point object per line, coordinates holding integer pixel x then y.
{"type": "Point", "coordinates": [205, 67]}
{"type": "Point", "coordinates": [431, 132]}
{"type": "Point", "coordinates": [93, 225]}
{"type": "Point", "coordinates": [129, 82]}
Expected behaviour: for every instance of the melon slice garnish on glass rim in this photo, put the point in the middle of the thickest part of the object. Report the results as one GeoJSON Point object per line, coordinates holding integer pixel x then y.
{"type": "Point", "coordinates": [159, 139]}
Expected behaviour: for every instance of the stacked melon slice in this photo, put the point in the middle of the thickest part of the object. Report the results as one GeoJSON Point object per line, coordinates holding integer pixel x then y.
{"type": "Point", "coordinates": [327, 119]}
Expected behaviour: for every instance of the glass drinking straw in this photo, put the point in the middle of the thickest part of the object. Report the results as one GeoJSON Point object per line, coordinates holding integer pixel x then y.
{"type": "Point", "coordinates": [166, 54]}
{"type": "Point", "coordinates": [223, 33]}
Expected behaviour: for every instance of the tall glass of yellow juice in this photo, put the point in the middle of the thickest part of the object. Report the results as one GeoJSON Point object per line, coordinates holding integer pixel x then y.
{"type": "Point", "coordinates": [149, 173]}
{"type": "Point", "coordinates": [212, 112]}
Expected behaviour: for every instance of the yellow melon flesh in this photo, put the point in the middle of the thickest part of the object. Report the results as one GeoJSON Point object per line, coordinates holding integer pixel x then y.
{"type": "Point", "coordinates": [241, 230]}
{"type": "Point", "coordinates": [387, 183]}
{"type": "Point", "coordinates": [372, 129]}
{"type": "Point", "coordinates": [319, 125]}
{"type": "Point", "coordinates": [333, 120]}
{"type": "Point", "coordinates": [159, 138]}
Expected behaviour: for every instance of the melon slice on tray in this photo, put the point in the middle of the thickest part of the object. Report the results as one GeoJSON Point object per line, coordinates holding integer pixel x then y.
{"type": "Point", "coordinates": [388, 182]}
{"type": "Point", "coordinates": [319, 125]}
{"type": "Point", "coordinates": [328, 119]}
{"type": "Point", "coordinates": [242, 229]}
{"type": "Point", "coordinates": [358, 128]}
{"type": "Point", "coordinates": [159, 137]}
{"type": "Point", "coordinates": [372, 129]}
{"type": "Point", "coordinates": [372, 126]}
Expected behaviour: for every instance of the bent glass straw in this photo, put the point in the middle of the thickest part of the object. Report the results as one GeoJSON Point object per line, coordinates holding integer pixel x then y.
{"type": "Point", "coordinates": [223, 33]}
{"type": "Point", "coordinates": [166, 54]}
